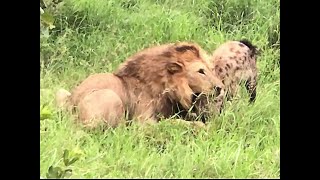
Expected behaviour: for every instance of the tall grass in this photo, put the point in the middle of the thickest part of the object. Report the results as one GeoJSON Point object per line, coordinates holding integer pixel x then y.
{"type": "Point", "coordinates": [96, 35]}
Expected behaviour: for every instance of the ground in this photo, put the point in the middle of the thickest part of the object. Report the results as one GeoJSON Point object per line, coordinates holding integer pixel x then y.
{"type": "Point", "coordinates": [96, 36]}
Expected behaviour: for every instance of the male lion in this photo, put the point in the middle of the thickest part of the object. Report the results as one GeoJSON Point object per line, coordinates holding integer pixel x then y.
{"type": "Point", "coordinates": [150, 83]}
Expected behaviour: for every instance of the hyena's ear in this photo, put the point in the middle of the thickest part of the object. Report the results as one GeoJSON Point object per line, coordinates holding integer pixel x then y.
{"type": "Point", "coordinates": [174, 67]}
{"type": "Point", "coordinates": [255, 51]}
{"type": "Point", "coordinates": [184, 47]}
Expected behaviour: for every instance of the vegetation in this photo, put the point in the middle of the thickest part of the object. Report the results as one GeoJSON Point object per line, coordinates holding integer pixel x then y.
{"type": "Point", "coordinates": [80, 37]}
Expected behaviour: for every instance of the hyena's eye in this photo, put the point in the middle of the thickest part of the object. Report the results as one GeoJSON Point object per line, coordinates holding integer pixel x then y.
{"type": "Point", "coordinates": [201, 71]}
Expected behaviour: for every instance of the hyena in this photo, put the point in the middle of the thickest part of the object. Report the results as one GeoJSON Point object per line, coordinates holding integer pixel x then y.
{"type": "Point", "coordinates": [234, 62]}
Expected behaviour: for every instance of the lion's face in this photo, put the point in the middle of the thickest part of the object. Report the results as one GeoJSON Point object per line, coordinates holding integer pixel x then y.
{"type": "Point", "coordinates": [197, 68]}
{"type": "Point", "coordinates": [200, 78]}
{"type": "Point", "coordinates": [191, 79]}
{"type": "Point", "coordinates": [190, 73]}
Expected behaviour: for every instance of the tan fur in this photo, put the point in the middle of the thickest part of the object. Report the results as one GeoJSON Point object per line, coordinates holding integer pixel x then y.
{"type": "Point", "coordinates": [149, 83]}
{"type": "Point", "coordinates": [102, 104]}
{"type": "Point", "coordinates": [233, 62]}
{"type": "Point", "coordinates": [62, 96]}
{"type": "Point", "coordinates": [99, 98]}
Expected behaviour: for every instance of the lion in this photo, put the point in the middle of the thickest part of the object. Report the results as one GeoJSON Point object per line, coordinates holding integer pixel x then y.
{"type": "Point", "coordinates": [148, 86]}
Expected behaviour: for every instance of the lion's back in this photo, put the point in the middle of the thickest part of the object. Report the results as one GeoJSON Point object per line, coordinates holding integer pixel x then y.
{"type": "Point", "coordinates": [97, 82]}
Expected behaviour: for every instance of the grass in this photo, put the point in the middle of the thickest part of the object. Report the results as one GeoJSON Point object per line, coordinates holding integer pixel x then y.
{"type": "Point", "coordinates": [95, 36]}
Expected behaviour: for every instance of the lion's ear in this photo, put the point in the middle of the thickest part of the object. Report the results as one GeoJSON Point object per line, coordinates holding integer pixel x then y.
{"type": "Point", "coordinates": [184, 47]}
{"type": "Point", "coordinates": [174, 67]}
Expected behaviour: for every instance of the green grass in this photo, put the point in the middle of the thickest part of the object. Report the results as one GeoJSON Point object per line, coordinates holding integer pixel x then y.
{"type": "Point", "coordinates": [96, 35]}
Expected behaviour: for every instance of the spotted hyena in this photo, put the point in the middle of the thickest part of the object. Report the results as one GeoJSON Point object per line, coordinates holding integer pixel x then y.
{"type": "Point", "coordinates": [234, 62]}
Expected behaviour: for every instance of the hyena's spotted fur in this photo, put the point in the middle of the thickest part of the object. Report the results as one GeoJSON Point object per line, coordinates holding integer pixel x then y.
{"type": "Point", "coordinates": [233, 62]}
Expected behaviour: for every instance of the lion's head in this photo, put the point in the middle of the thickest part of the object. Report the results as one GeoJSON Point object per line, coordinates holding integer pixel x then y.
{"type": "Point", "coordinates": [198, 75]}
{"type": "Point", "coordinates": [198, 71]}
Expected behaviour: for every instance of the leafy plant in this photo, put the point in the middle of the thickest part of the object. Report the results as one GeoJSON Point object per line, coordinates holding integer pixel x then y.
{"type": "Point", "coordinates": [65, 172]}
{"type": "Point", "coordinates": [45, 112]}
{"type": "Point", "coordinates": [66, 158]}
{"type": "Point", "coordinates": [48, 9]}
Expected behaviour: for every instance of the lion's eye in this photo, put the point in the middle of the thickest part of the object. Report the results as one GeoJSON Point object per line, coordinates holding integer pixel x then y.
{"type": "Point", "coordinates": [201, 71]}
